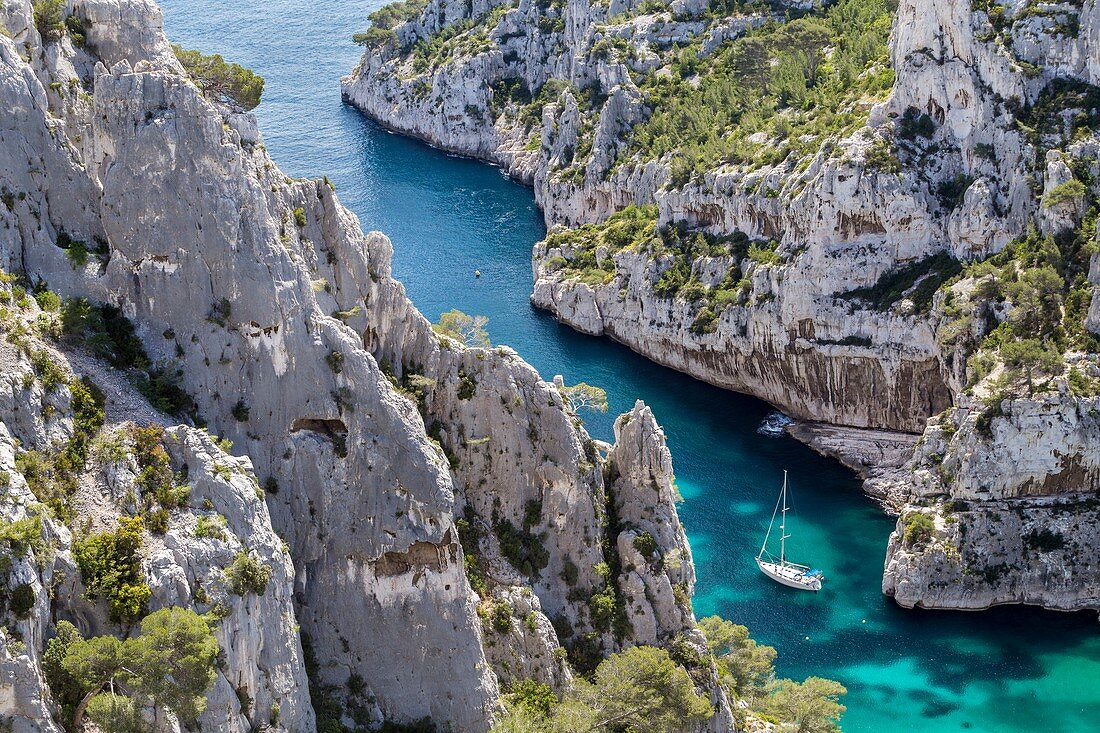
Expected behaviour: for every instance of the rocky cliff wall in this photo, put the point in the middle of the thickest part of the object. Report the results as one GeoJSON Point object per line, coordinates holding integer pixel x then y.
{"type": "Point", "coordinates": [260, 297]}
{"type": "Point", "coordinates": [1003, 508]}
{"type": "Point", "coordinates": [261, 678]}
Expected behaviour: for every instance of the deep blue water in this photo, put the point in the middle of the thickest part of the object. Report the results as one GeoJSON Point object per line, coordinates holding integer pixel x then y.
{"type": "Point", "coordinates": [917, 672]}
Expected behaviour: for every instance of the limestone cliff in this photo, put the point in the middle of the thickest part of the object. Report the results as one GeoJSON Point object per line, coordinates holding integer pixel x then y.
{"type": "Point", "coordinates": [1003, 508]}
{"type": "Point", "coordinates": [839, 223]}
{"type": "Point", "coordinates": [268, 314]}
{"type": "Point", "coordinates": [261, 679]}
{"type": "Point", "coordinates": [817, 255]}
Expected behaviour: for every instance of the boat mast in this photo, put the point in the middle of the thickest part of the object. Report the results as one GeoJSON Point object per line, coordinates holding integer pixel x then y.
{"type": "Point", "coordinates": [771, 524]}
{"type": "Point", "coordinates": [783, 525]}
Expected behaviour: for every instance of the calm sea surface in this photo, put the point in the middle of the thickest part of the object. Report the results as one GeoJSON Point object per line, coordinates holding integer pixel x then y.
{"type": "Point", "coordinates": [1009, 669]}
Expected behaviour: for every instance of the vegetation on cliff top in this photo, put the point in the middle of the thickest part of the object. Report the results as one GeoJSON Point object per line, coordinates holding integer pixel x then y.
{"type": "Point", "coordinates": [385, 19]}
{"type": "Point", "coordinates": [588, 253]}
{"type": "Point", "coordinates": [1028, 305]}
{"type": "Point", "coordinates": [784, 88]}
{"type": "Point", "coordinates": [222, 81]}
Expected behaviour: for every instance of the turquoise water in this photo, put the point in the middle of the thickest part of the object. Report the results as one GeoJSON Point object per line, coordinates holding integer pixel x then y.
{"type": "Point", "coordinates": [917, 672]}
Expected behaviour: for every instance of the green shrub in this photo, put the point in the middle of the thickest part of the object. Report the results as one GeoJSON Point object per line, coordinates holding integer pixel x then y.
{"type": "Point", "coordinates": [65, 689]}
{"type": "Point", "coordinates": [52, 475]}
{"type": "Point", "coordinates": [893, 286]}
{"type": "Point", "coordinates": [210, 527]}
{"type": "Point", "coordinates": [919, 528]}
{"type": "Point", "coordinates": [49, 371]}
{"type": "Point", "coordinates": [49, 19]}
{"type": "Point", "coordinates": [241, 411]}
{"type": "Point", "coordinates": [224, 82]}
{"type": "Point", "coordinates": [247, 575]}
{"type": "Point", "coordinates": [374, 38]}
{"type": "Point", "coordinates": [105, 331]}
{"type": "Point", "coordinates": [1045, 540]}
{"type": "Point", "coordinates": [570, 572]}
{"type": "Point", "coordinates": [335, 361]}
{"type": "Point", "coordinates": [764, 253]}
{"type": "Point", "coordinates": [391, 15]}
{"type": "Point", "coordinates": [952, 190]}
{"type": "Point", "coordinates": [642, 688]}
{"type": "Point", "coordinates": [1069, 192]}
{"type": "Point", "coordinates": [220, 312]}
{"type": "Point", "coordinates": [535, 697]}
{"type": "Point", "coordinates": [22, 600]}
{"type": "Point", "coordinates": [76, 29]}
{"type": "Point", "coordinates": [157, 521]}
{"type": "Point", "coordinates": [501, 616]}
{"type": "Point", "coordinates": [48, 300]}
{"type": "Point", "coordinates": [466, 329]}
{"type": "Point", "coordinates": [23, 536]}
{"type": "Point", "coordinates": [162, 388]}
{"type": "Point", "coordinates": [646, 544]}
{"type": "Point", "coordinates": [110, 565]}
{"type": "Point", "coordinates": [604, 606]}
{"type": "Point", "coordinates": [521, 548]}
{"type": "Point", "coordinates": [882, 156]}
{"type": "Point", "coordinates": [467, 385]}
{"type": "Point", "coordinates": [532, 513]}
{"type": "Point", "coordinates": [915, 124]}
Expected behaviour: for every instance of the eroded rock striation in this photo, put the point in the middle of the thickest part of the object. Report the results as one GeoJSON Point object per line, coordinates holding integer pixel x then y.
{"type": "Point", "coordinates": [444, 518]}
{"type": "Point", "coordinates": [853, 258]}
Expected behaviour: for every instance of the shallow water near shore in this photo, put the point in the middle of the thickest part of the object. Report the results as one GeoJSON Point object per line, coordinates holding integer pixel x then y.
{"type": "Point", "coordinates": [1008, 669]}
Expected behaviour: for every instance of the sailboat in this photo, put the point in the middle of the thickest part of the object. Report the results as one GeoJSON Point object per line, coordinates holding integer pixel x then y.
{"type": "Point", "coordinates": [788, 573]}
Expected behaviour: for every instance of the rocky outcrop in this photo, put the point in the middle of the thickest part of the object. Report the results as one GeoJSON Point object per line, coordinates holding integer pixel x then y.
{"type": "Point", "coordinates": [883, 460]}
{"type": "Point", "coordinates": [652, 545]}
{"type": "Point", "coordinates": [260, 297]}
{"type": "Point", "coordinates": [658, 574]}
{"type": "Point", "coordinates": [1011, 489]}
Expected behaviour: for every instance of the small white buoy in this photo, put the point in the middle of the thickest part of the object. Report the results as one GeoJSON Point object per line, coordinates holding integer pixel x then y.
{"type": "Point", "coordinates": [864, 620]}
{"type": "Point", "coordinates": [477, 273]}
{"type": "Point", "coordinates": [807, 638]}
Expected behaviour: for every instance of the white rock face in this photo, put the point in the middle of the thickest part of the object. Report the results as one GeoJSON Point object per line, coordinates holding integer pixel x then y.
{"type": "Point", "coordinates": [259, 634]}
{"type": "Point", "coordinates": [24, 697]}
{"type": "Point", "coordinates": [204, 246]}
{"type": "Point", "coordinates": [273, 309]}
{"type": "Point", "coordinates": [642, 466]}
{"type": "Point", "coordinates": [529, 648]}
{"type": "Point", "coordinates": [262, 658]}
{"type": "Point", "coordinates": [1012, 490]}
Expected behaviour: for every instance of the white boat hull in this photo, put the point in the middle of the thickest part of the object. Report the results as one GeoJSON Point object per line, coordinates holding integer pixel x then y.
{"type": "Point", "coordinates": [792, 576]}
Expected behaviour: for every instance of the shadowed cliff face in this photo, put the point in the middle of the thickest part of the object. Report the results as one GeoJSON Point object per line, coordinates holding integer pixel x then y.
{"type": "Point", "coordinates": [841, 314]}
{"type": "Point", "coordinates": [266, 301]}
